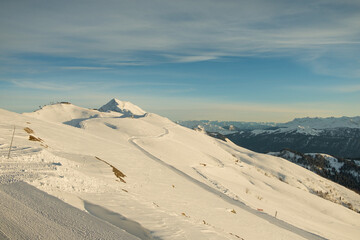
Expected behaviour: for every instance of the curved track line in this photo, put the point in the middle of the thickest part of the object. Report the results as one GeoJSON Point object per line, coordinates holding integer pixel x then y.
{"type": "Point", "coordinates": [226, 198]}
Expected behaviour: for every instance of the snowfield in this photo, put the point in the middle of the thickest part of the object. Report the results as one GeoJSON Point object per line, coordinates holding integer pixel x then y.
{"type": "Point", "coordinates": [146, 177]}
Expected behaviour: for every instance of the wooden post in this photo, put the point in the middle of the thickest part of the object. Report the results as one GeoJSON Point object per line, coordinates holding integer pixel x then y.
{"type": "Point", "coordinates": [12, 138]}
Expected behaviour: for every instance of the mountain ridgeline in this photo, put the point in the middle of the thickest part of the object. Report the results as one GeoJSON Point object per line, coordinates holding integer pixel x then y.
{"type": "Point", "coordinates": [335, 136]}
{"type": "Point", "coordinates": [340, 142]}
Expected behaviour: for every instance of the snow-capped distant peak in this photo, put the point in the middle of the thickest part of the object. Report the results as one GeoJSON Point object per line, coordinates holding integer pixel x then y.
{"type": "Point", "coordinates": [324, 123]}
{"type": "Point", "coordinates": [126, 108]}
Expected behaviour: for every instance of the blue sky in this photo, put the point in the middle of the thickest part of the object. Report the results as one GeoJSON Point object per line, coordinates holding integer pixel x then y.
{"type": "Point", "coordinates": [254, 60]}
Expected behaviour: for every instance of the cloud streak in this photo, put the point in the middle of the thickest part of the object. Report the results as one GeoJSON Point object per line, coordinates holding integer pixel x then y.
{"type": "Point", "coordinates": [183, 31]}
{"type": "Point", "coordinates": [84, 68]}
{"type": "Point", "coordinates": [41, 85]}
{"type": "Point", "coordinates": [345, 88]}
{"type": "Point", "coordinates": [231, 50]}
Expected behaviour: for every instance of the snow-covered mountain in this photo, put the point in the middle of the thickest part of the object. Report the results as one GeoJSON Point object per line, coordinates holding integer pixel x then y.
{"type": "Point", "coordinates": [335, 136]}
{"type": "Point", "coordinates": [307, 126]}
{"type": "Point", "coordinates": [225, 127]}
{"type": "Point", "coordinates": [312, 126]}
{"type": "Point", "coordinates": [156, 180]}
{"type": "Point", "coordinates": [323, 123]}
{"type": "Point", "coordinates": [126, 108]}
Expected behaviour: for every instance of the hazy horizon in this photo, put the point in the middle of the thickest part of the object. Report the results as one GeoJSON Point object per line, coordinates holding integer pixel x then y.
{"type": "Point", "coordinates": [180, 114]}
{"type": "Point", "coordinates": [239, 61]}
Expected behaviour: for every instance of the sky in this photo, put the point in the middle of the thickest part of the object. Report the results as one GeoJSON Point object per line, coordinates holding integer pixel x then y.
{"type": "Point", "coordinates": [257, 60]}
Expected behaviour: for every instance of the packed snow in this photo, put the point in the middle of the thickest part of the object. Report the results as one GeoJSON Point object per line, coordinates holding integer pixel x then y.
{"type": "Point", "coordinates": [173, 182]}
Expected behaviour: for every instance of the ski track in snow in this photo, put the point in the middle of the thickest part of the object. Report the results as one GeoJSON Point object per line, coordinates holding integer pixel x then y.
{"type": "Point", "coordinates": [226, 198]}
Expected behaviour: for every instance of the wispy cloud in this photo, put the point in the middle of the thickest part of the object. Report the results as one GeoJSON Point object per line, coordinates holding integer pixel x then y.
{"type": "Point", "coordinates": [345, 88]}
{"type": "Point", "coordinates": [85, 68]}
{"type": "Point", "coordinates": [297, 108]}
{"type": "Point", "coordinates": [42, 85]}
{"type": "Point", "coordinates": [187, 59]}
{"type": "Point", "coordinates": [58, 85]}
{"type": "Point", "coordinates": [136, 48]}
{"type": "Point", "coordinates": [186, 31]}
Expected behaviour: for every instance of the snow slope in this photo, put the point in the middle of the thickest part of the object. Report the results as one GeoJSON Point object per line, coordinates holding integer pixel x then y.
{"type": "Point", "coordinates": [36, 215]}
{"type": "Point", "coordinates": [173, 181]}
{"type": "Point", "coordinates": [68, 114]}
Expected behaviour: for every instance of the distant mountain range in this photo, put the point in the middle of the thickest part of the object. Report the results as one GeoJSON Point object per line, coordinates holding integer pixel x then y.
{"type": "Point", "coordinates": [340, 142]}
{"type": "Point", "coordinates": [335, 136]}
{"type": "Point", "coordinates": [226, 127]}
{"type": "Point", "coordinates": [308, 142]}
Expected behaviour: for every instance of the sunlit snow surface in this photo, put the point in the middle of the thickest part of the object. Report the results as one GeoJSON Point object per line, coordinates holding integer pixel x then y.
{"type": "Point", "coordinates": [178, 184]}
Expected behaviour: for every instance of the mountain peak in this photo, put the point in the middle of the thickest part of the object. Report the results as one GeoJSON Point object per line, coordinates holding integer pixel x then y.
{"type": "Point", "coordinates": [124, 107]}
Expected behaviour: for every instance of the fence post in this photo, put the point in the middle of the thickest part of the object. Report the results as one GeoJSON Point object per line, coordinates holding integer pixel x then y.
{"type": "Point", "coordinates": [12, 138]}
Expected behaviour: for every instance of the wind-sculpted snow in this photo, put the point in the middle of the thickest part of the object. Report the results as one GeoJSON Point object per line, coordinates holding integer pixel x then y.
{"type": "Point", "coordinates": [179, 183]}
{"type": "Point", "coordinates": [28, 213]}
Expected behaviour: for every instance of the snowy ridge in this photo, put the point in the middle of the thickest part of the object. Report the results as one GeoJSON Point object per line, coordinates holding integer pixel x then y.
{"type": "Point", "coordinates": [312, 126]}
{"type": "Point", "coordinates": [293, 129]}
{"type": "Point", "coordinates": [324, 123]}
{"type": "Point", "coordinates": [224, 127]}
{"type": "Point", "coordinates": [126, 108]}
{"type": "Point", "coordinates": [68, 114]}
{"type": "Point", "coordinates": [177, 182]}
{"type": "Point", "coordinates": [307, 126]}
